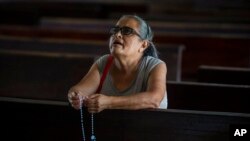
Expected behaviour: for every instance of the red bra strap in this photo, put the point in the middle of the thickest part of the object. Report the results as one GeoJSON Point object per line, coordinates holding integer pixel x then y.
{"type": "Point", "coordinates": [105, 72]}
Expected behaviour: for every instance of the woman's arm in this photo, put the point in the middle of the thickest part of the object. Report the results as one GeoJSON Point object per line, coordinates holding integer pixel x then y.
{"type": "Point", "coordinates": [88, 85]}
{"type": "Point", "coordinates": [150, 99]}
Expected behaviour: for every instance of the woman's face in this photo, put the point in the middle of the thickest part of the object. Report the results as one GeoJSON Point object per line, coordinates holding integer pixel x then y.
{"type": "Point", "coordinates": [126, 45]}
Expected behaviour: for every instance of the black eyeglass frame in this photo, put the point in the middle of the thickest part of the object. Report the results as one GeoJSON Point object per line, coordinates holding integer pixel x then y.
{"type": "Point", "coordinates": [125, 30]}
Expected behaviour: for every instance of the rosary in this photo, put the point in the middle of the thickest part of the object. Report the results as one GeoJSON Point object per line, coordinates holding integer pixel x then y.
{"type": "Point", "coordinates": [106, 68]}
{"type": "Point", "coordinates": [92, 138]}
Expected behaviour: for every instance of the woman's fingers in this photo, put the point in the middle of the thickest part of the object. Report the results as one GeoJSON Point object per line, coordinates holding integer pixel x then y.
{"type": "Point", "coordinates": [74, 100]}
{"type": "Point", "coordinates": [94, 103]}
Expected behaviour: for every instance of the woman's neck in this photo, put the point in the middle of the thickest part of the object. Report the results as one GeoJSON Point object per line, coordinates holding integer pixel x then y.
{"type": "Point", "coordinates": [127, 65]}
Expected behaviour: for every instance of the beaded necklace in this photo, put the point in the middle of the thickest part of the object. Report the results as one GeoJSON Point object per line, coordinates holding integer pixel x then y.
{"type": "Point", "coordinates": [92, 138]}
{"type": "Point", "coordinates": [105, 71]}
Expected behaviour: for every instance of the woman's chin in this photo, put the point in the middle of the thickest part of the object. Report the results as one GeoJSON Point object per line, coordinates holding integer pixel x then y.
{"type": "Point", "coordinates": [116, 50]}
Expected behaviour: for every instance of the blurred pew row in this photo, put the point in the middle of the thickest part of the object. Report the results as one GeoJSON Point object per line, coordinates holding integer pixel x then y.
{"type": "Point", "coordinates": [30, 11]}
{"type": "Point", "coordinates": [205, 44]}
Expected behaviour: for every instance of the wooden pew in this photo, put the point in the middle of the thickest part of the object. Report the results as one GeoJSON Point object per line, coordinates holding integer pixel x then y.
{"type": "Point", "coordinates": [40, 120]}
{"type": "Point", "coordinates": [224, 75]}
{"type": "Point", "coordinates": [176, 28]}
{"type": "Point", "coordinates": [208, 96]}
{"type": "Point", "coordinates": [205, 42]}
{"type": "Point", "coordinates": [90, 48]}
{"type": "Point", "coordinates": [202, 46]}
{"type": "Point", "coordinates": [53, 33]}
{"type": "Point", "coordinates": [41, 75]}
{"type": "Point", "coordinates": [170, 53]}
{"type": "Point", "coordinates": [29, 12]}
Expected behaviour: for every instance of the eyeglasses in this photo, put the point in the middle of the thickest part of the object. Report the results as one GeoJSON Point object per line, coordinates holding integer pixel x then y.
{"type": "Point", "coordinates": [124, 30]}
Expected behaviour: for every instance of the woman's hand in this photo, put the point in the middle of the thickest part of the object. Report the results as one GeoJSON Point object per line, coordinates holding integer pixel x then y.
{"type": "Point", "coordinates": [96, 103]}
{"type": "Point", "coordinates": [76, 100]}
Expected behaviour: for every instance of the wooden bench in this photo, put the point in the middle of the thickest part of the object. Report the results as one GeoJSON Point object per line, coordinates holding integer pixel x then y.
{"type": "Point", "coordinates": [89, 48]}
{"type": "Point", "coordinates": [29, 120]}
{"type": "Point", "coordinates": [208, 96]}
{"type": "Point", "coordinates": [224, 75]}
{"type": "Point", "coordinates": [29, 12]}
{"type": "Point", "coordinates": [170, 53]}
{"type": "Point", "coordinates": [158, 26]}
{"type": "Point", "coordinates": [41, 75]}
{"type": "Point", "coordinates": [205, 42]}
{"type": "Point", "coordinates": [201, 48]}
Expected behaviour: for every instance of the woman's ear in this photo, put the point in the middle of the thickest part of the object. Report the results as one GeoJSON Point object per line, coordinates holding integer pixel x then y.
{"type": "Point", "coordinates": [145, 45]}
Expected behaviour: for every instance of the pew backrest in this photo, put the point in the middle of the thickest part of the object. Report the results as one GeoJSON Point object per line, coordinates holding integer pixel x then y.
{"type": "Point", "coordinates": [208, 96]}
{"type": "Point", "coordinates": [58, 121]}
{"type": "Point", "coordinates": [224, 75]}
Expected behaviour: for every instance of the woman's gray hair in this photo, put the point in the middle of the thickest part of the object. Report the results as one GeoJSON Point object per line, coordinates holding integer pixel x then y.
{"type": "Point", "coordinates": [146, 34]}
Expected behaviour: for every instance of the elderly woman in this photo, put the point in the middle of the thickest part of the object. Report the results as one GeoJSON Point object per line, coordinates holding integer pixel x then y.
{"type": "Point", "coordinates": [136, 78]}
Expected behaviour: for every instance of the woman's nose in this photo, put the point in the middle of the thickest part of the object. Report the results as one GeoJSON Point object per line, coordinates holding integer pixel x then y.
{"type": "Point", "coordinates": [118, 34]}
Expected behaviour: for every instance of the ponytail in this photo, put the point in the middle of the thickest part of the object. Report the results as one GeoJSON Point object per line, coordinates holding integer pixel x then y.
{"type": "Point", "coordinates": [151, 51]}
